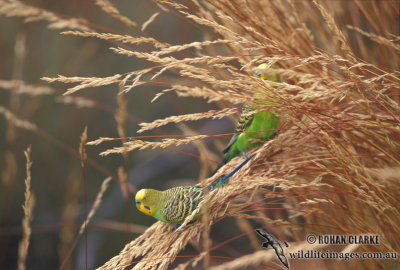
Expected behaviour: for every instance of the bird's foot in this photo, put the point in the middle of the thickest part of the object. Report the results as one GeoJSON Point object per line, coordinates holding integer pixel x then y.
{"type": "Point", "coordinates": [175, 227]}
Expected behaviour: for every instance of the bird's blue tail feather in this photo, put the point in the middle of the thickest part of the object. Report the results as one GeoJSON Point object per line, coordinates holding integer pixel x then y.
{"type": "Point", "coordinates": [219, 182]}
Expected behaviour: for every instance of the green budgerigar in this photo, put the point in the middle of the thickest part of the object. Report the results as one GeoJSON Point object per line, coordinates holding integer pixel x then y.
{"type": "Point", "coordinates": [253, 128]}
{"type": "Point", "coordinates": [175, 204]}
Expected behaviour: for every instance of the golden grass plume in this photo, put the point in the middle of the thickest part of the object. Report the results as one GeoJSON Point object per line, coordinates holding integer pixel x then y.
{"type": "Point", "coordinates": [28, 206]}
{"type": "Point", "coordinates": [339, 113]}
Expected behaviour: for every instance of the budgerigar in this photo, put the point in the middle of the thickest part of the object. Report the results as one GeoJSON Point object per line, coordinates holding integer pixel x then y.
{"type": "Point", "coordinates": [175, 204]}
{"type": "Point", "coordinates": [253, 128]}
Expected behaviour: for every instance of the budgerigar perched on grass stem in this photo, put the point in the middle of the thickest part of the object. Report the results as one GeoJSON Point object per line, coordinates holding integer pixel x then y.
{"type": "Point", "coordinates": [175, 204]}
{"type": "Point", "coordinates": [253, 128]}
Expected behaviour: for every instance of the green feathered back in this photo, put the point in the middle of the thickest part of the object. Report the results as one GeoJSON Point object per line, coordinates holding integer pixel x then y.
{"type": "Point", "coordinates": [252, 129]}
{"type": "Point", "coordinates": [177, 203]}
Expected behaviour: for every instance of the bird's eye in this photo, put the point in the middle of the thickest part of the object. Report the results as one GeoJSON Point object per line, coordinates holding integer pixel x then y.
{"type": "Point", "coordinates": [147, 207]}
{"type": "Point", "coordinates": [137, 202]}
{"type": "Point", "coordinates": [144, 199]}
{"type": "Point", "coordinates": [258, 74]}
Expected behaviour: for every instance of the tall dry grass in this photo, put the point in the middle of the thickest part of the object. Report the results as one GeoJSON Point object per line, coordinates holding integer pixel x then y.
{"type": "Point", "coordinates": [28, 207]}
{"type": "Point", "coordinates": [334, 167]}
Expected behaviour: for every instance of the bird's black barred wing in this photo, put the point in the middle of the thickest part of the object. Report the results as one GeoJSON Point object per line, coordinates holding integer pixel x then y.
{"type": "Point", "coordinates": [180, 202]}
{"type": "Point", "coordinates": [243, 123]}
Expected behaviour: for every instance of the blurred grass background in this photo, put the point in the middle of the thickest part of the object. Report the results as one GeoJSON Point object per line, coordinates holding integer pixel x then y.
{"type": "Point", "coordinates": [56, 173]}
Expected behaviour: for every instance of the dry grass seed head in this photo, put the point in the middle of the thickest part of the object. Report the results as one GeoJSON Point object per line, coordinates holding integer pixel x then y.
{"type": "Point", "coordinates": [31, 14]}
{"type": "Point", "coordinates": [28, 206]}
{"type": "Point", "coordinates": [339, 122]}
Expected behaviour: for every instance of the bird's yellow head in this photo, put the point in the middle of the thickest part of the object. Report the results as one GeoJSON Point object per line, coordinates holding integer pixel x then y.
{"type": "Point", "coordinates": [260, 73]}
{"type": "Point", "coordinates": [145, 200]}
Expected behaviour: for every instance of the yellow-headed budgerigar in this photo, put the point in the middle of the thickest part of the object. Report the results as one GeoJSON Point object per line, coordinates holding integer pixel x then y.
{"type": "Point", "coordinates": [175, 204]}
{"type": "Point", "coordinates": [253, 128]}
